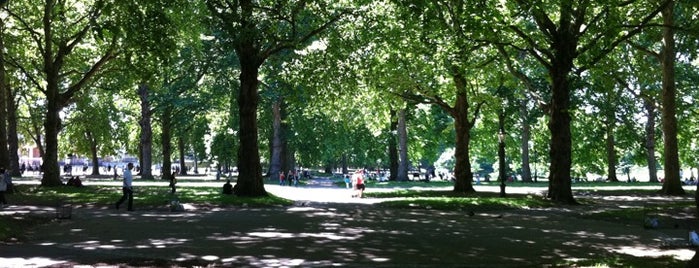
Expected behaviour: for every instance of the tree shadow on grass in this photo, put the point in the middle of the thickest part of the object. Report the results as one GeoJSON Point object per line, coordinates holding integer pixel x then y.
{"type": "Point", "coordinates": [324, 235]}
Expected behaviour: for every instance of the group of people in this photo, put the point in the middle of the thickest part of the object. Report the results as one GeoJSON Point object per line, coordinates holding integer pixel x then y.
{"type": "Point", "coordinates": [356, 183]}
{"type": "Point", "coordinates": [291, 178]}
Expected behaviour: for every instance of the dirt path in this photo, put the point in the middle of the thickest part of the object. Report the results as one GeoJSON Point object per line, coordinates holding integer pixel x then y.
{"type": "Point", "coordinates": [320, 233]}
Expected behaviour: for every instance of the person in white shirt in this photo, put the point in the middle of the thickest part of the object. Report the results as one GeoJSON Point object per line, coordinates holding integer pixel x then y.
{"type": "Point", "coordinates": [127, 188]}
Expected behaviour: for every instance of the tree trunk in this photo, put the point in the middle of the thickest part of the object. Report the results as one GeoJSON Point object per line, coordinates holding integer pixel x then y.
{"type": "Point", "coordinates": [462, 168]}
{"type": "Point", "coordinates": [250, 181]}
{"type": "Point", "coordinates": [564, 47]}
{"type": "Point", "coordinates": [650, 141]}
{"type": "Point", "coordinates": [52, 124]}
{"type": "Point", "coordinates": [502, 165]}
{"type": "Point", "coordinates": [345, 168]}
{"type": "Point", "coordinates": [165, 139]}
{"type": "Point", "coordinates": [181, 151]}
{"type": "Point", "coordinates": [611, 151]}
{"type": "Point", "coordinates": [672, 184]}
{"type": "Point", "coordinates": [12, 138]}
{"type": "Point", "coordinates": [93, 154]}
{"type": "Point", "coordinates": [393, 148]}
{"type": "Point", "coordinates": [526, 137]}
{"type": "Point", "coordinates": [4, 94]}
{"type": "Point", "coordinates": [402, 173]}
{"type": "Point", "coordinates": [275, 162]}
{"type": "Point", "coordinates": [146, 137]}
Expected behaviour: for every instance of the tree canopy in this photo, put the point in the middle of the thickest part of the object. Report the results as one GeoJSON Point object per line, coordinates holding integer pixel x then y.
{"type": "Point", "coordinates": [579, 87]}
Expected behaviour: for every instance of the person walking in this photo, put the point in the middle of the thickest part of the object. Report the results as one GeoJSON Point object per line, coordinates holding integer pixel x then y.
{"type": "Point", "coordinates": [127, 188]}
{"type": "Point", "coordinates": [3, 188]}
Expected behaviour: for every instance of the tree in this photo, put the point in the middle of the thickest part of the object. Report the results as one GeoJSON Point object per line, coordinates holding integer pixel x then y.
{"type": "Point", "coordinates": [93, 127]}
{"type": "Point", "coordinates": [63, 29]}
{"type": "Point", "coordinates": [583, 34]}
{"type": "Point", "coordinates": [286, 25]}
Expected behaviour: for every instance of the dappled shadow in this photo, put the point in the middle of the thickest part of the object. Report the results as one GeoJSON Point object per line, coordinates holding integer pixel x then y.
{"type": "Point", "coordinates": [321, 235]}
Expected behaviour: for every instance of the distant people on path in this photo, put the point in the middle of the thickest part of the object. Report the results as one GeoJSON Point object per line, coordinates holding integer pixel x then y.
{"type": "Point", "coordinates": [358, 182]}
{"type": "Point", "coordinates": [227, 188]}
{"type": "Point", "coordinates": [127, 188]}
{"type": "Point", "coordinates": [3, 188]}
{"type": "Point", "coordinates": [281, 178]}
{"type": "Point", "coordinates": [348, 181]}
{"type": "Point", "coordinates": [290, 177]}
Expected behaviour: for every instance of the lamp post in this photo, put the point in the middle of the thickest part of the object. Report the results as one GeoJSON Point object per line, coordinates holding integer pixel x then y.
{"type": "Point", "coordinates": [501, 158]}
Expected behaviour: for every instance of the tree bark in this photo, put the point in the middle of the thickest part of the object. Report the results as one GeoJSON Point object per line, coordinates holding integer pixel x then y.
{"type": "Point", "coordinates": [93, 154]}
{"type": "Point", "coordinates": [12, 138]}
{"type": "Point", "coordinates": [402, 173]}
{"type": "Point", "coordinates": [393, 147]}
{"type": "Point", "coordinates": [165, 139]}
{"type": "Point", "coordinates": [250, 181]}
{"type": "Point", "coordinates": [4, 95]}
{"type": "Point", "coordinates": [462, 125]}
{"type": "Point", "coordinates": [181, 152]}
{"type": "Point", "coordinates": [650, 141]}
{"type": "Point", "coordinates": [146, 137]}
{"type": "Point", "coordinates": [502, 165]}
{"type": "Point", "coordinates": [672, 184]}
{"type": "Point", "coordinates": [526, 137]}
{"type": "Point", "coordinates": [611, 151]}
{"type": "Point", "coordinates": [276, 161]}
{"type": "Point", "coordinates": [564, 52]}
{"type": "Point", "coordinates": [52, 124]}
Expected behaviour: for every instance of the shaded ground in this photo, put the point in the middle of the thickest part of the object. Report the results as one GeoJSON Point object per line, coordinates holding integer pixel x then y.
{"type": "Point", "coordinates": [328, 228]}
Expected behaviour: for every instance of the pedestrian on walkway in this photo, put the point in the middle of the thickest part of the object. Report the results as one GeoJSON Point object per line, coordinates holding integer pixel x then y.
{"type": "Point", "coordinates": [3, 188]}
{"type": "Point", "coordinates": [358, 182]}
{"type": "Point", "coordinates": [127, 188]}
{"type": "Point", "coordinates": [173, 183]}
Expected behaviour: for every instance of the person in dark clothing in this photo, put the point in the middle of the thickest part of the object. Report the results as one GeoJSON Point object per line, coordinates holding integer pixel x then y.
{"type": "Point", "coordinates": [227, 187]}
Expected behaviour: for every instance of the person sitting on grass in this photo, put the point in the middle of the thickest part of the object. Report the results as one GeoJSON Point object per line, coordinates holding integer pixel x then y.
{"type": "Point", "coordinates": [227, 188]}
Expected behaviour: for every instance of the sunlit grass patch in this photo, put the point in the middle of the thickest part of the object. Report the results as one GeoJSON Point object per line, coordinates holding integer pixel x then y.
{"type": "Point", "coordinates": [621, 260]}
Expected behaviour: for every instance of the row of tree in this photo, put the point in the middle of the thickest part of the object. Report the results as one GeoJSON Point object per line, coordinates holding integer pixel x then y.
{"type": "Point", "coordinates": [353, 83]}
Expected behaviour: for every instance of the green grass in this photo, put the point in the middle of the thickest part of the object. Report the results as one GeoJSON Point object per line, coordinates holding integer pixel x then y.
{"type": "Point", "coordinates": [619, 260]}
{"type": "Point", "coordinates": [13, 228]}
{"type": "Point", "coordinates": [669, 214]}
{"type": "Point", "coordinates": [449, 200]}
{"type": "Point", "coordinates": [144, 196]}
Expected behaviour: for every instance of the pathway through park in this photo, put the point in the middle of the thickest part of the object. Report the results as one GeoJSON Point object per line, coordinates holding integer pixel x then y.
{"type": "Point", "coordinates": [326, 227]}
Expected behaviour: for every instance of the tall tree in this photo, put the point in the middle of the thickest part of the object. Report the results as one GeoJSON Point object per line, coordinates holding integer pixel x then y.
{"type": "Point", "coordinates": [63, 29]}
{"type": "Point", "coordinates": [257, 31]}
{"type": "Point", "coordinates": [567, 39]}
